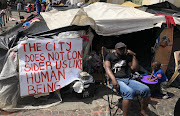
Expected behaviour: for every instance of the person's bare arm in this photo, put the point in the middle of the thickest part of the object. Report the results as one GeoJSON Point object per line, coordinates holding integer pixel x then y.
{"type": "Point", "coordinates": [134, 64]}
{"type": "Point", "coordinates": [107, 66]}
{"type": "Point", "coordinates": [153, 79]}
{"type": "Point", "coordinates": [150, 77]}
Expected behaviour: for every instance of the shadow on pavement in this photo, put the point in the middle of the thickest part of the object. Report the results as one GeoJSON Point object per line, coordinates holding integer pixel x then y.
{"type": "Point", "coordinates": [67, 94]}
{"type": "Point", "coordinates": [159, 95]}
{"type": "Point", "coordinates": [100, 92]}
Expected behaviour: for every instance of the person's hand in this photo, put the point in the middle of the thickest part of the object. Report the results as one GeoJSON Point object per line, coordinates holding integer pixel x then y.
{"type": "Point", "coordinates": [148, 78]}
{"type": "Point", "coordinates": [151, 80]}
{"type": "Point", "coordinates": [130, 52]}
{"type": "Point", "coordinates": [115, 84]}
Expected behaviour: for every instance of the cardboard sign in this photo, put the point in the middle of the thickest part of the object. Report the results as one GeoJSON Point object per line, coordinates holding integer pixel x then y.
{"type": "Point", "coordinates": [48, 65]}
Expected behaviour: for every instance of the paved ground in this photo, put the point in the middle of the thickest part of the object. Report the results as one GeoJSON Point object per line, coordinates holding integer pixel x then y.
{"type": "Point", "coordinates": [11, 23]}
{"type": "Point", "coordinates": [97, 105]}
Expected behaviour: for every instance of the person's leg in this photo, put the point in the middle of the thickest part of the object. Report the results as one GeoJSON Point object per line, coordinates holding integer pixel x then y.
{"type": "Point", "coordinates": [144, 104]}
{"type": "Point", "coordinates": [163, 90]}
{"type": "Point", "coordinates": [144, 91]}
{"type": "Point", "coordinates": [19, 12]}
{"type": "Point", "coordinates": [18, 8]}
{"type": "Point", "coordinates": [127, 93]}
{"type": "Point", "coordinates": [38, 8]}
{"type": "Point", "coordinates": [125, 106]}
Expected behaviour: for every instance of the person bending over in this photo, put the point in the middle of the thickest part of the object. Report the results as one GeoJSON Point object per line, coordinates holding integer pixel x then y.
{"type": "Point", "coordinates": [118, 66]}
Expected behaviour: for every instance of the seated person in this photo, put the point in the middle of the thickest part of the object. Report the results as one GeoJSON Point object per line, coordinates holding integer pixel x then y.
{"type": "Point", "coordinates": [158, 73]}
{"type": "Point", "coordinates": [118, 66]}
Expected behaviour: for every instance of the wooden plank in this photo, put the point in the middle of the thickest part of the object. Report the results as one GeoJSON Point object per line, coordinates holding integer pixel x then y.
{"type": "Point", "coordinates": [174, 76]}
{"type": "Point", "coordinates": [163, 51]}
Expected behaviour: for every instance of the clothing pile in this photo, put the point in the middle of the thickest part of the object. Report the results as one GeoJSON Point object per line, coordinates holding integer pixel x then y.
{"type": "Point", "coordinates": [31, 21]}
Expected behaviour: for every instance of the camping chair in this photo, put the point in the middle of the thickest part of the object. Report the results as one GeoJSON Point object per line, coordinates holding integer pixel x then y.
{"type": "Point", "coordinates": [106, 81]}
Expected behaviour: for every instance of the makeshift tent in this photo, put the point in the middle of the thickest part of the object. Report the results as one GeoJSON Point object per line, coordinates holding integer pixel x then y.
{"type": "Point", "coordinates": [9, 81]}
{"type": "Point", "coordinates": [112, 20]}
{"type": "Point", "coordinates": [104, 17]}
{"type": "Point", "coordinates": [109, 24]}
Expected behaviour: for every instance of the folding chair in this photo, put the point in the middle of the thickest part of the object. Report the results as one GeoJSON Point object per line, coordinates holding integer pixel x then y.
{"type": "Point", "coordinates": [106, 80]}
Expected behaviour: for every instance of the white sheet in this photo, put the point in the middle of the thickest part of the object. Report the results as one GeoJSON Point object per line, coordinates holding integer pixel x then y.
{"type": "Point", "coordinates": [105, 18]}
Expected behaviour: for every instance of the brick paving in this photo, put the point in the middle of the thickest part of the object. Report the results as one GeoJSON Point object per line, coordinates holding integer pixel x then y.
{"type": "Point", "coordinates": [98, 105]}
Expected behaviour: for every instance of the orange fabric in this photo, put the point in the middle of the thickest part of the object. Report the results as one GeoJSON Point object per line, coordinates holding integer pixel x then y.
{"type": "Point", "coordinates": [159, 75]}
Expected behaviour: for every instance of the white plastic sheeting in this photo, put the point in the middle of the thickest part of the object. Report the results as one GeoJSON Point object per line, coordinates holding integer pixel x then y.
{"type": "Point", "coordinates": [114, 19]}
{"type": "Point", "coordinates": [9, 85]}
{"type": "Point", "coordinates": [57, 19]}
{"type": "Point", "coordinates": [78, 34]}
{"type": "Point", "coordinates": [9, 88]}
{"type": "Point", "coordinates": [105, 18]}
